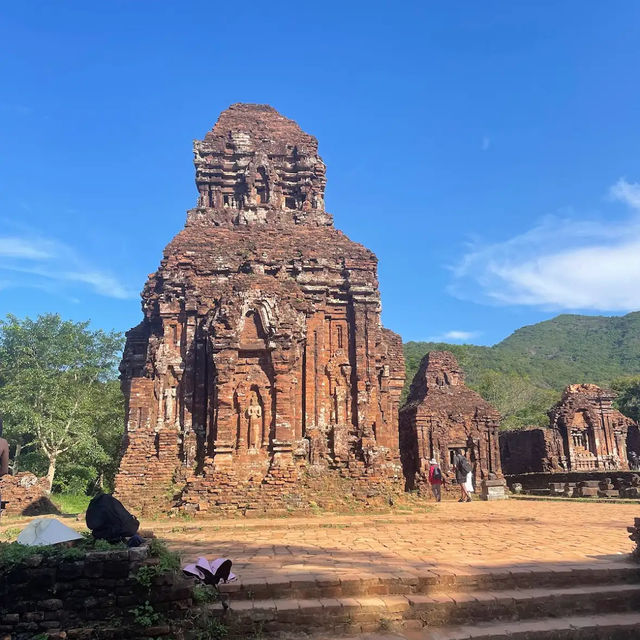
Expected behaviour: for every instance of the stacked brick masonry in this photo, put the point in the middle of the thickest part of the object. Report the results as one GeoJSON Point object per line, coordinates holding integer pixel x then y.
{"type": "Point", "coordinates": [87, 598]}
{"type": "Point", "coordinates": [593, 432]}
{"type": "Point", "coordinates": [261, 353]}
{"type": "Point", "coordinates": [531, 450]}
{"type": "Point", "coordinates": [585, 433]}
{"type": "Point", "coordinates": [441, 415]}
{"type": "Point", "coordinates": [25, 494]}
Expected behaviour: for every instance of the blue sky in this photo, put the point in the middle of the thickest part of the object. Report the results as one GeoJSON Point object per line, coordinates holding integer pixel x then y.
{"type": "Point", "coordinates": [488, 152]}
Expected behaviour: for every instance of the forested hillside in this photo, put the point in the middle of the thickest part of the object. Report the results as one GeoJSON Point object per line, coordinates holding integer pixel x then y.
{"type": "Point", "coordinates": [524, 374]}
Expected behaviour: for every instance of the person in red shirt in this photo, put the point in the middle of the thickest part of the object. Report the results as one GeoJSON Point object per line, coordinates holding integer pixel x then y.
{"type": "Point", "coordinates": [436, 479]}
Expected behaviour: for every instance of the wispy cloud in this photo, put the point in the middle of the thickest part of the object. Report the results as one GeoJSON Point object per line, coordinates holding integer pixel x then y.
{"type": "Point", "coordinates": [454, 335]}
{"type": "Point", "coordinates": [44, 263]}
{"type": "Point", "coordinates": [627, 192]}
{"type": "Point", "coordinates": [13, 247]}
{"type": "Point", "coordinates": [564, 262]}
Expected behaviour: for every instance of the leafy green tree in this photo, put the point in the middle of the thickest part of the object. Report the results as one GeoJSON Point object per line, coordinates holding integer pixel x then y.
{"type": "Point", "coordinates": [628, 400]}
{"type": "Point", "coordinates": [58, 392]}
{"type": "Point", "coordinates": [524, 374]}
{"type": "Point", "coordinates": [519, 402]}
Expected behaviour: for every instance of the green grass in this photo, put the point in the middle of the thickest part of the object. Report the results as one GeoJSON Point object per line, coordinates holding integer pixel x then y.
{"type": "Point", "coordinates": [9, 534]}
{"type": "Point", "coordinates": [70, 503]}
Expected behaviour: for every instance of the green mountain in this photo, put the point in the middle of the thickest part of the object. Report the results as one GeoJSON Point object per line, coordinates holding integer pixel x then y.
{"type": "Point", "coordinates": [524, 374]}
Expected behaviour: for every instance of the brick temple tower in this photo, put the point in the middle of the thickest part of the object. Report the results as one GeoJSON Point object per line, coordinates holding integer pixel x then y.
{"type": "Point", "coordinates": [593, 433]}
{"type": "Point", "coordinates": [261, 355]}
{"type": "Point", "coordinates": [442, 415]}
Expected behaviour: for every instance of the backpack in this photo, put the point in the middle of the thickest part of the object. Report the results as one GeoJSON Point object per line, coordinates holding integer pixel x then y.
{"type": "Point", "coordinates": [437, 473]}
{"type": "Point", "coordinates": [464, 465]}
{"type": "Point", "coordinates": [109, 520]}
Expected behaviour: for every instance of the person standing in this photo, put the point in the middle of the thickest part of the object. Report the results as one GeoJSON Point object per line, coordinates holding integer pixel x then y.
{"type": "Point", "coordinates": [4, 454]}
{"type": "Point", "coordinates": [4, 459]}
{"type": "Point", "coordinates": [436, 479]}
{"type": "Point", "coordinates": [462, 468]}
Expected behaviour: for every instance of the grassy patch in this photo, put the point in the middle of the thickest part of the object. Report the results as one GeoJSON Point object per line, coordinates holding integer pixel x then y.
{"type": "Point", "coordinates": [71, 503]}
{"type": "Point", "coordinates": [13, 554]}
{"type": "Point", "coordinates": [9, 534]}
{"type": "Point", "coordinates": [166, 561]}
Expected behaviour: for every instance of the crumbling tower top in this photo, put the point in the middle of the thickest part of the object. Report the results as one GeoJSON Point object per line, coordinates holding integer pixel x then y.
{"type": "Point", "coordinates": [256, 166]}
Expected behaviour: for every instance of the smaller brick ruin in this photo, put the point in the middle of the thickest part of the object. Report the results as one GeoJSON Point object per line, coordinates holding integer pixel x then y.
{"type": "Point", "coordinates": [531, 450]}
{"type": "Point", "coordinates": [586, 433]}
{"type": "Point", "coordinates": [26, 494]}
{"type": "Point", "coordinates": [441, 415]}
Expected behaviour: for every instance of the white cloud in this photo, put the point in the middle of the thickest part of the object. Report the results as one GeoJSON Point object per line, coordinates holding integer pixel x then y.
{"type": "Point", "coordinates": [460, 335]}
{"type": "Point", "coordinates": [562, 263]}
{"type": "Point", "coordinates": [627, 192]}
{"type": "Point", "coordinates": [102, 283]}
{"type": "Point", "coordinates": [44, 263]}
{"type": "Point", "coordinates": [454, 335]}
{"type": "Point", "coordinates": [13, 247]}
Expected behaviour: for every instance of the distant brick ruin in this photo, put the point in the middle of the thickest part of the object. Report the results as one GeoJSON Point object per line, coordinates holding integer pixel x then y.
{"type": "Point", "coordinates": [441, 415]}
{"type": "Point", "coordinates": [261, 362]}
{"type": "Point", "coordinates": [585, 433]}
{"type": "Point", "coordinates": [26, 495]}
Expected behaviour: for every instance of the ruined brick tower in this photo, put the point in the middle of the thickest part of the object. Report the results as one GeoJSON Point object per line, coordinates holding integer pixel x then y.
{"type": "Point", "coordinates": [443, 415]}
{"type": "Point", "coordinates": [261, 362]}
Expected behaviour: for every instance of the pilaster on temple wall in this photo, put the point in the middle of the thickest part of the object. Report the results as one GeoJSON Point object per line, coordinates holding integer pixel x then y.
{"type": "Point", "coordinates": [261, 357]}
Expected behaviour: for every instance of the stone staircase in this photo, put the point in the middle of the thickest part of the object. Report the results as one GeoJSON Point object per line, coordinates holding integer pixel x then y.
{"type": "Point", "coordinates": [550, 602]}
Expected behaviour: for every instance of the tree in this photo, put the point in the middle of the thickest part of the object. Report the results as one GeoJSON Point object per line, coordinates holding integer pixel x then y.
{"type": "Point", "coordinates": [628, 400]}
{"type": "Point", "coordinates": [54, 378]}
{"type": "Point", "coordinates": [519, 401]}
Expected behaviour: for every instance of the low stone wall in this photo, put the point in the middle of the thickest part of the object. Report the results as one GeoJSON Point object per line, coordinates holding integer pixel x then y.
{"type": "Point", "coordinates": [541, 481]}
{"type": "Point", "coordinates": [26, 494]}
{"type": "Point", "coordinates": [94, 596]}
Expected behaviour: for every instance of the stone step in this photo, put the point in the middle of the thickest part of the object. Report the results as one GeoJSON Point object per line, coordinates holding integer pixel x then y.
{"type": "Point", "coordinates": [370, 613]}
{"type": "Point", "coordinates": [309, 586]}
{"type": "Point", "coordinates": [609, 626]}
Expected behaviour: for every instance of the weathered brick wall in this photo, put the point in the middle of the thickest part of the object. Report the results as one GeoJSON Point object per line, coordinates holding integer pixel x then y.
{"type": "Point", "coordinates": [531, 450]}
{"type": "Point", "coordinates": [261, 348]}
{"type": "Point", "coordinates": [294, 488]}
{"type": "Point", "coordinates": [442, 414]}
{"type": "Point", "coordinates": [586, 433]}
{"type": "Point", "coordinates": [593, 431]}
{"type": "Point", "coordinates": [25, 494]}
{"type": "Point", "coordinates": [87, 598]}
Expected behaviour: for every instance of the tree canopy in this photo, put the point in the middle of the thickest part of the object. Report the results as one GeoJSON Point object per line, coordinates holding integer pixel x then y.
{"type": "Point", "coordinates": [60, 398]}
{"type": "Point", "coordinates": [524, 374]}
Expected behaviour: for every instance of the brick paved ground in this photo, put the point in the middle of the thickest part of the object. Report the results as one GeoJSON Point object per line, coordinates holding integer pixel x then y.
{"type": "Point", "coordinates": [452, 537]}
{"type": "Point", "coordinates": [519, 537]}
